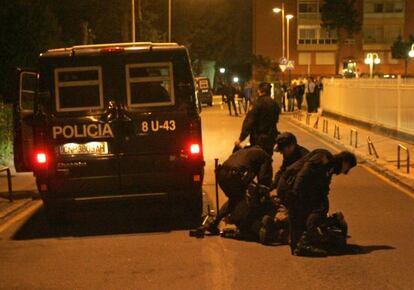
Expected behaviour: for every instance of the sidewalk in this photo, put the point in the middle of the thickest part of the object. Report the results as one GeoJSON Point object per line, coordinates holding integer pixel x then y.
{"type": "Point", "coordinates": [339, 133]}
{"type": "Point", "coordinates": [24, 190]}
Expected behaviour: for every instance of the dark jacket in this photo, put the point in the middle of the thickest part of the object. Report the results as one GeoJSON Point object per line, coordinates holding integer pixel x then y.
{"type": "Point", "coordinates": [306, 182]}
{"type": "Point", "coordinates": [297, 154]}
{"type": "Point", "coordinates": [261, 120]}
{"type": "Point", "coordinates": [249, 163]}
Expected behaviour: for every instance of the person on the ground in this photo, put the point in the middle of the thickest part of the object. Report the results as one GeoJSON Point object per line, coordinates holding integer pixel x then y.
{"type": "Point", "coordinates": [306, 186]}
{"type": "Point", "coordinates": [236, 173]}
{"type": "Point", "coordinates": [261, 121]}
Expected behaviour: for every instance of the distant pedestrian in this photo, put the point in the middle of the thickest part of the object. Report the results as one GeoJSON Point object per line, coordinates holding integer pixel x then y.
{"type": "Point", "coordinates": [311, 95]}
{"type": "Point", "coordinates": [291, 93]}
{"type": "Point", "coordinates": [247, 94]}
{"type": "Point", "coordinates": [230, 96]}
{"type": "Point", "coordinates": [299, 92]}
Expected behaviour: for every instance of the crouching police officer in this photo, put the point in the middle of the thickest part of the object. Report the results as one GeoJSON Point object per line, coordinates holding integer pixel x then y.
{"type": "Point", "coordinates": [276, 225]}
{"type": "Point", "coordinates": [306, 186]}
{"type": "Point", "coordinates": [234, 176]}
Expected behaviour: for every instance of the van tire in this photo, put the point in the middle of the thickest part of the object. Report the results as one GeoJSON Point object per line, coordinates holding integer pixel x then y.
{"type": "Point", "coordinates": [55, 215]}
{"type": "Point", "coordinates": [187, 210]}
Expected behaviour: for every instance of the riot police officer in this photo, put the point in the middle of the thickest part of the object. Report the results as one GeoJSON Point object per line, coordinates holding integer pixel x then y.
{"type": "Point", "coordinates": [286, 144]}
{"type": "Point", "coordinates": [236, 173]}
{"type": "Point", "coordinates": [306, 186]}
{"type": "Point", "coordinates": [261, 121]}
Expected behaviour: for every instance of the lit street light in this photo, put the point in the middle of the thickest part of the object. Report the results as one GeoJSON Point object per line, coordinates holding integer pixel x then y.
{"type": "Point", "coordinates": [371, 59]}
{"type": "Point", "coordinates": [278, 10]}
{"type": "Point", "coordinates": [235, 80]}
{"type": "Point", "coordinates": [133, 20]}
{"type": "Point", "coordinates": [288, 18]}
{"type": "Point", "coordinates": [411, 52]}
{"type": "Point", "coordinates": [222, 70]}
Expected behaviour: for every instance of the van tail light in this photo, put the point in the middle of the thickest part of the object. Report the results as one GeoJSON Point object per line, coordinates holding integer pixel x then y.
{"type": "Point", "coordinates": [195, 149]}
{"type": "Point", "coordinates": [41, 158]}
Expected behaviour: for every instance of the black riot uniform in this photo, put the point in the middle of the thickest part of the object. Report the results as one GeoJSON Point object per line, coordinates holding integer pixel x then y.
{"type": "Point", "coordinates": [306, 185]}
{"type": "Point", "coordinates": [261, 121]}
{"type": "Point", "coordinates": [236, 173]}
{"type": "Point", "coordinates": [297, 154]}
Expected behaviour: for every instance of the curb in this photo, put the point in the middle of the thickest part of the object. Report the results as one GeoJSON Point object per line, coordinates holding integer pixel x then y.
{"type": "Point", "coordinates": [13, 208]}
{"type": "Point", "coordinates": [366, 159]}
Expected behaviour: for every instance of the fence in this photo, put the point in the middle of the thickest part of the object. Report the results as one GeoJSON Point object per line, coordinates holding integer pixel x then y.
{"type": "Point", "coordinates": [382, 102]}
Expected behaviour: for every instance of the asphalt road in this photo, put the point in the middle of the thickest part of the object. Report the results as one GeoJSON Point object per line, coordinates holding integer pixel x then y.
{"type": "Point", "coordinates": [130, 248]}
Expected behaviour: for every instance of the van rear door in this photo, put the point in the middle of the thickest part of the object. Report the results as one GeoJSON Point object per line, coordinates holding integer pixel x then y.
{"type": "Point", "coordinates": [155, 155]}
{"type": "Point", "coordinates": [25, 93]}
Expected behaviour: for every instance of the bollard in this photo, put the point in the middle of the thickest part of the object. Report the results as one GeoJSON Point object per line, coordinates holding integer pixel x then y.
{"type": "Point", "coordinates": [9, 183]}
{"type": "Point", "coordinates": [336, 133]}
{"type": "Point", "coordinates": [371, 147]}
{"type": "Point", "coordinates": [351, 137]}
{"type": "Point", "coordinates": [316, 123]}
{"type": "Point", "coordinates": [216, 164]}
{"type": "Point", "coordinates": [399, 156]}
{"type": "Point", "coordinates": [325, 126]}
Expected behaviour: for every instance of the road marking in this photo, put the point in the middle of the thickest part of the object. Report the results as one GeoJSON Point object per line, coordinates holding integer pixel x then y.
{"type": "Point", "coordinates": [30, 210]}
{"type": "Point", "coordinates": [372, 171]}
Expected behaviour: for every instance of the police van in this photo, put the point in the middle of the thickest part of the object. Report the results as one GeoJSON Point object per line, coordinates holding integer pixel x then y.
{"type": "Point", "coordinates": [111, 122]}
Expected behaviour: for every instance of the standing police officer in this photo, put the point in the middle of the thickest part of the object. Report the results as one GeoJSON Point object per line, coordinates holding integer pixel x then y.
{"type": "Point", "coordinates": [236, 173]}
{"type": "Point", "coordinates": [306, 185]}
{"type": "Point", "coordinates": [261, 121]}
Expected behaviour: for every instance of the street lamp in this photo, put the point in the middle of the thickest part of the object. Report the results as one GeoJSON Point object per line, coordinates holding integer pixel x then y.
{"type": "Point", "coordinates": [371, 59]}
{"type": "Point", "coordinates": [133, 20]}
{"type": "Point", "coordinates": [411, 52]}
{"type": "Point", "coordinates": [222, 70]}
{"type": "Point", "coordinates": [278, 10]}
{"type": "Point", "coordinates": [288, 18]}
{"type": "Point", "coordinates": [235, 80]}
{"type": "Point", "coordinates": [169, 20]}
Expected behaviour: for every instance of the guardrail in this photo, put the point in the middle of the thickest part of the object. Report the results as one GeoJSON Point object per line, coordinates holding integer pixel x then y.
{"type": "Point", "coordinates": [351, 138]}
{"type": "Point", "coordinates": [9, 183]}
{"type": "Point", "coordinates": [371, 147]}
{"type": "Point", "coordinates": [399, 148]}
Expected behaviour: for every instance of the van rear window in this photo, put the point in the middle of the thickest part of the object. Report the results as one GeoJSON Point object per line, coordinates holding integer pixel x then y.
{"type": "Point", "coordinates": [150, 84]}
{"type": "Point", "coordinates": [78, 88]}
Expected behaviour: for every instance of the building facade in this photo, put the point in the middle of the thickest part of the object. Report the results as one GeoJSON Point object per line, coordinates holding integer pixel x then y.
{"type": "Point", "coordinates": [316, 51]}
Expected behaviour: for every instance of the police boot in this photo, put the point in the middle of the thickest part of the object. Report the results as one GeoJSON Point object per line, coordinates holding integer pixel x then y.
{"type": "Point", "coordinates": [305, 248]}
{"type": "Point", "coordinates": [212, 228]}
{"type": "Point", "coordinates": [266, 230]}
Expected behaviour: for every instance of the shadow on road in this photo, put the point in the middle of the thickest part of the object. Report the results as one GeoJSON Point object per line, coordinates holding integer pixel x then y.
{"type": "Point", "coordinates": [102, 220]}
{"type": "Point", "coordinates": [361, 250]}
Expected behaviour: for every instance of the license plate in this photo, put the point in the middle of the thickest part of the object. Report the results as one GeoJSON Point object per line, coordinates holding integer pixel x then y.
{"type": "Point", "coordinates": [84, 149]}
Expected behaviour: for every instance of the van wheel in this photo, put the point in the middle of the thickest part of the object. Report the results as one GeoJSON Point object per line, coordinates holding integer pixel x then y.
{"type": "Point", "coordinates": [187, 211]}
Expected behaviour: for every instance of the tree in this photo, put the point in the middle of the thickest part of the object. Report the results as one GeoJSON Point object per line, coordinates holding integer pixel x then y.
{"type": "Point", "coordinates": [26, 29]}
{"type": "Point", "coordinates": [400, 49]}
{"type": "Point", "coordinates": [341, 16]}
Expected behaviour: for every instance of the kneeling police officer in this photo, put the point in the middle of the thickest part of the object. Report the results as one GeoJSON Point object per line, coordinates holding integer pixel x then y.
{"type": "Point", "coordinates": [234, 176]}
{"type": "Point", "coordinates": [306, 187]}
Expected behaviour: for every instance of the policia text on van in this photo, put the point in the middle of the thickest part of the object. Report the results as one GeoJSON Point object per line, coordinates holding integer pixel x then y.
{"type": "Point", "coordinates": [114, 121]}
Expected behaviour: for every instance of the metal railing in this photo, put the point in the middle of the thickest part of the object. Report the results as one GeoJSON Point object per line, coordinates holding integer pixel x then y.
{"type": "Point", "coordinates": [371, 147]}
{"type": "Point", "coordinates": [399, 148]}
{"type": "Point", "coordinates": [9, 183]}
{"type": "Point", "coordinates": [353, 131]}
